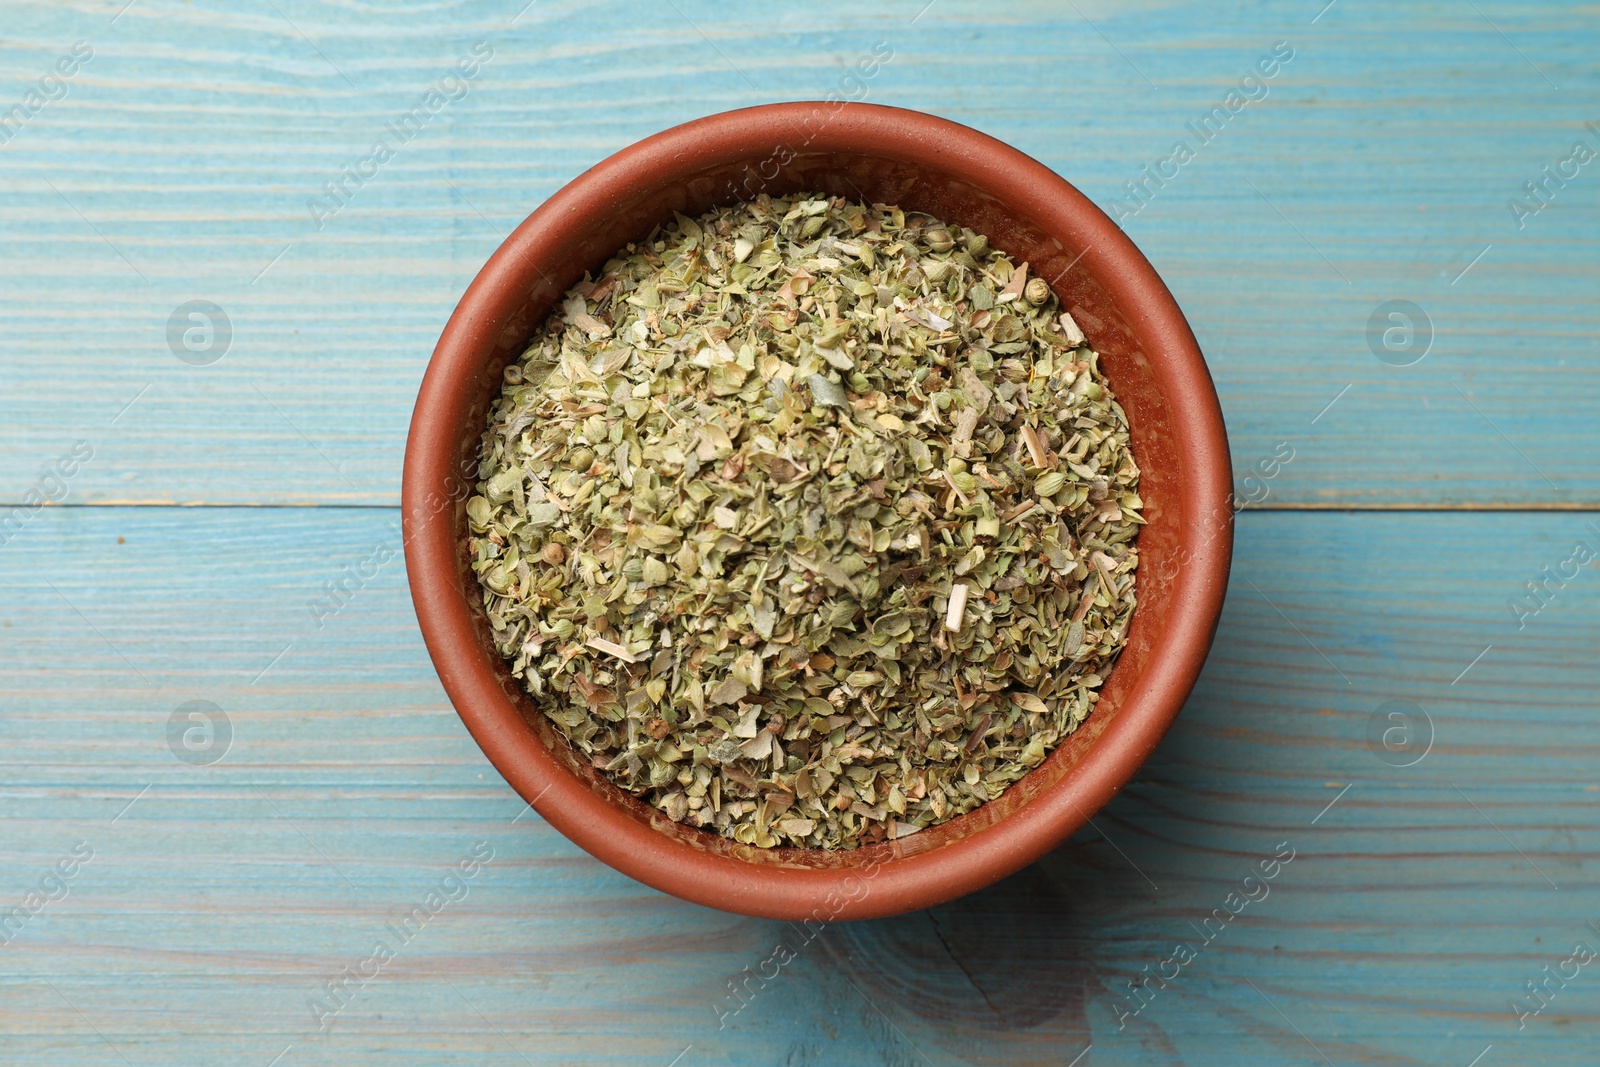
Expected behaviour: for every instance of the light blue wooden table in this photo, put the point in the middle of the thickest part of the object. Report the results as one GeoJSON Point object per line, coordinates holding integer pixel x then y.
{"type": "Point", "coordinates": [159, 910]}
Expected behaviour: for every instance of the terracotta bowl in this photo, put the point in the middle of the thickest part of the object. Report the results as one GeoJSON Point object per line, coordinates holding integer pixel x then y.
{"type": "Point", "coordinates": [876, 154]}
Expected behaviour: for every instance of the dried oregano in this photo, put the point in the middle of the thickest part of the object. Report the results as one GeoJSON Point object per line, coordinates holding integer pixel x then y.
{"type": "Point", "coordinates": [809, 523]}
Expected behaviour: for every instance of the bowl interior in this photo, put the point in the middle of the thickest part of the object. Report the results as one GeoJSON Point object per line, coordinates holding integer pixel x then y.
{"type": "Point", "coordinates": [914, 187]}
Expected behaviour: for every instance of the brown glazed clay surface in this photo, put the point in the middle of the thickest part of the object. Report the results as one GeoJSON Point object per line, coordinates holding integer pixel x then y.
{"type": "Point", "coordinates": [922, 163]}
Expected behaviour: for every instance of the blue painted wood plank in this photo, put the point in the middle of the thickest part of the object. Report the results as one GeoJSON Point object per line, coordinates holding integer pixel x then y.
{"type": "Point", "coordinates": [221, 898]}
{"type": "Point", "coordinates": [179, 164]}
{"type": "Point", "coordinates": [214, 909]}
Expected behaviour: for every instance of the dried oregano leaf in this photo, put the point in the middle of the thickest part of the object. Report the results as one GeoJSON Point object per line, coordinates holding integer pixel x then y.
{"type": "Point", "coordinates": [810, 523]}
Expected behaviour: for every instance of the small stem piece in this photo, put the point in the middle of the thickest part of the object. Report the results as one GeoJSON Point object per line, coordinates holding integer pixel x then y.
{"type": "Point", "coordinates": [957, 614]}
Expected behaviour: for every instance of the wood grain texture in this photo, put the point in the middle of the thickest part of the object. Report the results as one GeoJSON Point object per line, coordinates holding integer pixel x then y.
{"type": "Point", "coordinates": [180, 162]}
{"type": "Point", "coordinates": [221, 898]}
{"type": "Point", "coordinates": [213, 908]}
